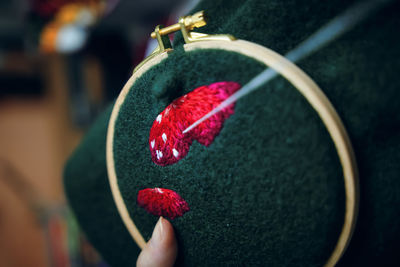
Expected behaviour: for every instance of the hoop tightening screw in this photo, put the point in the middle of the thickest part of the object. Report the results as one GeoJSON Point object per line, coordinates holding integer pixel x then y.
{"type": "Point", "coordinates": [196, 20]}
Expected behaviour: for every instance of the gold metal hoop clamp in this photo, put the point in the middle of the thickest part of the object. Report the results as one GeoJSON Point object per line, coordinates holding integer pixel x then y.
{"type": "Point", "coordinates": [185, 25]}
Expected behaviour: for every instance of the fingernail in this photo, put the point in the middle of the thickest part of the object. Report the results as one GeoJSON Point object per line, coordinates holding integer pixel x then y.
{"type": "Point", "coordinates": [158, 232]}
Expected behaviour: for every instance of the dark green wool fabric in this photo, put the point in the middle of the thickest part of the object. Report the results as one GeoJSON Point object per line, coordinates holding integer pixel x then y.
{"type": "Point", "coordinates": [269, 190]}
{"type": "Point", "coordinates": [89, 194]}
{"type": "Point", "coordinates": [262, 188]}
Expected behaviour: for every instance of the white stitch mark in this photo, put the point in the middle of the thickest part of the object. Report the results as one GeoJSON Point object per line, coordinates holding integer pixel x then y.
{"type": "Point", "coordinates": [152, 143]}
{"type": "Point", "coordinates": [175, 152]}
{"type": "Point", "coordinates": [159, 190]}
{"type": "Point", "coordinates": [164, 137]}
{"type": "Point", "coordinates": [166, 111]}
{"type": "Point", "coordinates": [159, 117]}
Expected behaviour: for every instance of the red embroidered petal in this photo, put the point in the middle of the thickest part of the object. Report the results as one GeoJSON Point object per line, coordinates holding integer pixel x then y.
{"type": "Point", "coordinates": [167, 143]}
{"type": "Point", "coordinates": [162, 202]}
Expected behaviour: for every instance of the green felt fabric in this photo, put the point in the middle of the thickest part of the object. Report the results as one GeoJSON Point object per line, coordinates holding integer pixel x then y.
{"type": "Point", "coordinates": [269, 190]}
{"type": "Point", "coordinates": [262, 188]}
{"type": "Point", "coordinates": [89, 194]}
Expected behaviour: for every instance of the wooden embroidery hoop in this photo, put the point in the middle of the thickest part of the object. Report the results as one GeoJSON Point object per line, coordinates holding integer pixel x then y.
{"type": "Point", "coordinates": [303, 83]}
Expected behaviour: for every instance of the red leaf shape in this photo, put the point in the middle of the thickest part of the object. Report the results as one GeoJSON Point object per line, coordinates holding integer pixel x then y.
{"type": "Point", "coordinates": [167, 143]}
{"type": "Point", "coordinates": [162, 202]}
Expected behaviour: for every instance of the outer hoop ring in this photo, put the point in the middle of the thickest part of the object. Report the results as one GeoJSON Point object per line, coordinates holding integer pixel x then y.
{"type": "Point", "coordinates": [304, 84]}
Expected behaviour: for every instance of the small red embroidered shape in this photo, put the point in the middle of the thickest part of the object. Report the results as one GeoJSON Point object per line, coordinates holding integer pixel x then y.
{"type": "Point", "coordinates": [167, 143]}
{"type": "Point", "coordinates": [162, 202]}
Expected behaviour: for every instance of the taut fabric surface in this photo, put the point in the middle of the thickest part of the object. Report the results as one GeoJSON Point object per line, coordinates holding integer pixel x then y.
{"type": "Point", "coordinates": [269, 189]}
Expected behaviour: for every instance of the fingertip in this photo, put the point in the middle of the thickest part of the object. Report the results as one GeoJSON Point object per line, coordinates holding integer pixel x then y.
{"type": "Point", "coordinates": [161, 250]}
{"type": "Point", "coordinates": [169, 240]}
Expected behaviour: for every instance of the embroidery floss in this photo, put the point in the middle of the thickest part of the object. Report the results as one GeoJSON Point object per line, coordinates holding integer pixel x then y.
{"type": "Point", "coordinates": [162, 202]}
{"type": "Point", "coordinates": [167, 143]}
{"type": "Point", "coordinates": [329, 32]}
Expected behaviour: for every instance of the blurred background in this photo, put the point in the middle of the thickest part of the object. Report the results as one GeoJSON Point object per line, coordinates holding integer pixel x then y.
{"type": "Point", "coordinates": [61, 63]}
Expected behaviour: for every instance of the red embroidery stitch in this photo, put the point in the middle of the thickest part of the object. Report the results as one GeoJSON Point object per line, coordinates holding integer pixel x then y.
{"type": "Point", "coordinates": [162, 202]}
{"type": "Point", "coordinates": [167, 143]}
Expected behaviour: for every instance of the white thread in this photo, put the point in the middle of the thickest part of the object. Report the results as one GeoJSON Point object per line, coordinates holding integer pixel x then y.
{"type": "Point", "coordinates": [175, 152]}
{"type": "Point", "coordinates": [159, 154]}
{"type": "Point", "coordinates": [336, 27]}
{"type": "Point", "coordinates": [159, 190]}
{"type": "Point", "coordinates": [159, 117]}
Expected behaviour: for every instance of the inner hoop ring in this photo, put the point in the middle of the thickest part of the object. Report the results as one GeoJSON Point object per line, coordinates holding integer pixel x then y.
{"type": "Point", "coordinates": [304, 84]}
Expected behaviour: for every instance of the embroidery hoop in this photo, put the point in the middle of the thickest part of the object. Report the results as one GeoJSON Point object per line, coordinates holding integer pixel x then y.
{"type": "Point", "coordinates": [300, 80]}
